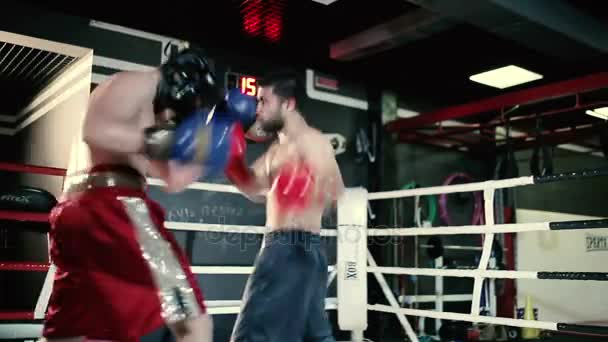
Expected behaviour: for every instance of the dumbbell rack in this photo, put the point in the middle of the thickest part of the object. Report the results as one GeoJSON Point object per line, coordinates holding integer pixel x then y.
{"type": "Point", "coordinates": [15, 330]}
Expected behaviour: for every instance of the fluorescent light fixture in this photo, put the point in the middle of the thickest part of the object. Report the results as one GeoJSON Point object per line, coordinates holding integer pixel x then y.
{"type": "Point", "coordinates": [406, 113]}
{"type": "Point", "coordinates": [602, 111]}
{"type": "Point", "coordinates": [325, 2]}
{"type": "Point", "coordinates": [501, 131]}
{"type": "Point", "coordinates": [575, 148]}
{"type": "Point", "coordinates": [451, 123]}
{"type": "Point", "coordinates": [598, 114]}
{"type": "Point", "coordinates": [505, 77]}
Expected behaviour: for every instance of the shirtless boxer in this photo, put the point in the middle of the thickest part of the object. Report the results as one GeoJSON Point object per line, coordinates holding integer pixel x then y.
{"type": "Point", "coordinates": [298, 177]}
{"type": "Point", "coordinates": [120, 273]}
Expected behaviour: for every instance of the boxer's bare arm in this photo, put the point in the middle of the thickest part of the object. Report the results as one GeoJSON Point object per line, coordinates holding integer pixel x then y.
{"type": "Point", "coordinates": [115, 121]}
{"type": "Point", "coordinates": [256, 191]}
{"type": "Point", "coordinates": [114, 117]}
{"type": "Point", "coordinates": [320, 153]}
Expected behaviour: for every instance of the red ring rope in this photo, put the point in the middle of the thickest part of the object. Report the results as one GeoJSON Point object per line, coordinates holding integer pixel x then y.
{"type": "Point", "coordinates": [25, 216]}
{"type": "Point", "coordinates": [41, 170]}
{"type": "Point", "coordinates": [24, 266]}
{"type": "Point", "coordinates": [17, 315]}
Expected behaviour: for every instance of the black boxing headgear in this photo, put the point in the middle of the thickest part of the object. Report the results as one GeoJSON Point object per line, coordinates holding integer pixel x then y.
{"type": "Point", "coordinates": [187, 83]}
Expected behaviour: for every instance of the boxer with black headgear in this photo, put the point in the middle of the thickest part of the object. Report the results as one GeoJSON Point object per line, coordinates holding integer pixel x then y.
{"type": "Point", "coordinates": [120, 272]}
{"type": "Point", "coordinates": [187, 84]}
{"type": "Point", "coordinates": [185, 76]}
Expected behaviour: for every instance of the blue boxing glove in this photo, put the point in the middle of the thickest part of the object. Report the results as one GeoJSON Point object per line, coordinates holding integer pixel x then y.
{"type": "Point", "coordinates": [240, 106]}
{"type": "Point", "coordinates": [204, 138]}
{"type": "Point", "coordinates": [191, 139]}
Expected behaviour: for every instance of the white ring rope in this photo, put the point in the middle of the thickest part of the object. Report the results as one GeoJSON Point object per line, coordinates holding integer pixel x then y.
{"type": "Point", "coordinates": [459, 230]}
{"type": "Point", "coordinates": [225, 228]}
{"type": "Point", "coordinates": [200, 186]}
{"type": "Point", "coordinates": [221, 269]}
{"type": "Point", "coordinates": [222, 303]}
{"type": "Point", "coordinates": [233, 269]}
{"type": "Point", "coordinates": [217, 228]}
{"type": "Point", "coordinates": [390, 296]}
{"type": "Point", "coordinates": [488, 240]}
{"type": "Point", "coordinates": [219, 307]}
{"type": "Point", "coordinates": [432, 298]}
{"type": "Point", "coordinates": [440, 272]}
{"type": "Point", "coordinates": [466, 317]}
{"type": "Point", "coordinates": [455, 247]}
{"type": "Point", "coordinates": [447, 189]}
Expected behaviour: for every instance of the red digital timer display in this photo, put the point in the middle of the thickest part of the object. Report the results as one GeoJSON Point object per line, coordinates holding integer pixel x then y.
{"type": "Point", "coordinates": [247, 84]}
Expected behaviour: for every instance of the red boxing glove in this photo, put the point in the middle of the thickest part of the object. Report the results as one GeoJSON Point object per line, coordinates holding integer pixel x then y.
{"type": "Point", "coordinates": [237, 170]}
{"type": "Point", "coordinates": [294, 186]}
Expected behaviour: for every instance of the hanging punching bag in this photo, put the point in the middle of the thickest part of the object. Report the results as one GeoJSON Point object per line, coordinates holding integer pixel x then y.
{"type": "Point", "coordinates": [541, 162]}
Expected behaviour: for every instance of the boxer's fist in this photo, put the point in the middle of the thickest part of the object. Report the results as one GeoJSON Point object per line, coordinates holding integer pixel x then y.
{"type": "Point", "coordinates": [221, 142]}
{"type": "Point", "coordinates": [241, 106]}
{"type": "Point", "coordinates": [191, 139]}
{"type": "Point", "coordinates": [294, 186]}
{"type": "Point", "coordinates": [236, 169]}
{"type": "Point", "coordinates": [158, 141]}
{"type": "Point", "coordinates": [206, 139]}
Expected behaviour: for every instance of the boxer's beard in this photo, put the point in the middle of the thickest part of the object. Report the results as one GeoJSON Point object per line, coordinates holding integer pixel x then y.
{"type": "Point", "coordinates": [273, 125]}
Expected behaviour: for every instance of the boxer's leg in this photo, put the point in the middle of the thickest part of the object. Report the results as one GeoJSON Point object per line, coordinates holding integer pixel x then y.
{"type": "Point", "coordinates": [73, 308]}
{"type": "Point", "coordinates": [199, 329]}
{"type": "Point", "coordinates": [277, 298]}
{"type": "Point", "coordinates": [318, 327]}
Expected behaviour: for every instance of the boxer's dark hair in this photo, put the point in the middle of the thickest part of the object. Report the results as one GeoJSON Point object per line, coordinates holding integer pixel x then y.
{"type": "Point", "coordinates": [285, 84]}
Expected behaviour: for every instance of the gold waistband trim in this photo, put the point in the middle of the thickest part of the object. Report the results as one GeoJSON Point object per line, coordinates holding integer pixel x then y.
{"type": "Point", "coordinates": [105, 179]}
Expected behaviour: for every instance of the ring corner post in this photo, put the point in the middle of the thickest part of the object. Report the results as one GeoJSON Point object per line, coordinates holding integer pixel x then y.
{"type": "Point", "coordinates": [351, 263]}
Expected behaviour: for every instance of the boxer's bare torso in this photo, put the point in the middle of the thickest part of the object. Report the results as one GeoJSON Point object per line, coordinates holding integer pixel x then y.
{"type": "Point", "coordinates": [119, 111]}
{"type": "Point", "coordinates": [315, 149]}
{"type": "Point", "coordinates": [132, 122]}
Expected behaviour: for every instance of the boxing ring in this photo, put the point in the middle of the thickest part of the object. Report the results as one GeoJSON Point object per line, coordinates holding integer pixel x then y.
{"type": "Point", "coordinates": [354, 262]}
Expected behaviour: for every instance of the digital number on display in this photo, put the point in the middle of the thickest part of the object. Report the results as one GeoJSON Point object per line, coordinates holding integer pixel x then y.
{"type": "Point", "coordinates": [247, 84]}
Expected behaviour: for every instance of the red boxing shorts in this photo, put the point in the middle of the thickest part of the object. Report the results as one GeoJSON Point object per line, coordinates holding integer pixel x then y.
{"type": "Point", "coordinates": [120, 272]}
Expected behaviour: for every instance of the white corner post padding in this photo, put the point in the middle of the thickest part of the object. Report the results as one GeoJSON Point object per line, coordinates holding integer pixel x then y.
{"type": "Point", "coordinates": [351, 261]}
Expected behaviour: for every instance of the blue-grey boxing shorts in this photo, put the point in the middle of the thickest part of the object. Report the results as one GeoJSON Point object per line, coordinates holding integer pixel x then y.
{"type": "Point", "coordinates": [284, 299]}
